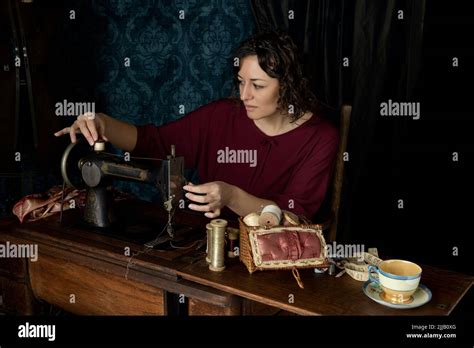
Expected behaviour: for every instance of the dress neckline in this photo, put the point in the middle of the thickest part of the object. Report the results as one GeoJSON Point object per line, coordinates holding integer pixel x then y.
{"type": "Point", "coordinates": [259, 131]}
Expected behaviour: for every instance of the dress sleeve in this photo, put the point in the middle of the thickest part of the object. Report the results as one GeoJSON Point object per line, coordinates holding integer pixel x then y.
{"type": "Point", "coordinates": [188, 134]}
{"type": "Point", "coordinates": [307, 189]}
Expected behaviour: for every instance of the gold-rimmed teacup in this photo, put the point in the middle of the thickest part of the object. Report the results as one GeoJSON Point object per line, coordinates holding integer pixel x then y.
{"type": "Point", "coordinates": [398, 279]}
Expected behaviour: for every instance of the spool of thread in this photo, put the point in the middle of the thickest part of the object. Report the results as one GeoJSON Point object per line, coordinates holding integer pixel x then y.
{"type": "Point", "coordinates": [233, 234]}
{"type": "Point", "coordinates": [209, 240]}
{"type": "Point", "coordinates": [290, 219]}
{"type": "Point", "coordinates": [217, 245]}
{"type": "Point", "coordinates": [270, 216]}
{"type": "Point", "coordinates": [252, 219]}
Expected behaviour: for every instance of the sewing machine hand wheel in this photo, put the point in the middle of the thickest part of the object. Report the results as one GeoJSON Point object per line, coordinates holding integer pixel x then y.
{"type": "Point", "coordinates": [70, 170]}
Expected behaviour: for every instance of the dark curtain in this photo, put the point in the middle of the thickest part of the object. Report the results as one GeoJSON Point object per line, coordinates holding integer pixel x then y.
{"type": "Point", "coordinates": [320, 29]}
{"type": "Point", "coordinates": [27, 30]}
{"type": "Point", "coordinates": [384, 54]}
{"type": "Point", "coordinates": [386, 59]}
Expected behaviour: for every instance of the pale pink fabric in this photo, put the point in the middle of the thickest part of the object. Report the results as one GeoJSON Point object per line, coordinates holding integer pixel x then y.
{"type": "Point", "coordinates": [40, 205]}
{"type": "Point", "coordinates": [289, 245]}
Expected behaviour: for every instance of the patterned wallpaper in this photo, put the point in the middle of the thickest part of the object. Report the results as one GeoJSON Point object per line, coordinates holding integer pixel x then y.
{"type": "Point", "coordinates": [159, 60]}
{"type": "Point", "coordinates": [172, 61]}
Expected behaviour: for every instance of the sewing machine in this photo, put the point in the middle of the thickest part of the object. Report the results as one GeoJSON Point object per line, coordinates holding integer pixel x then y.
{"type": "Point", "coordinates": [98, 169]}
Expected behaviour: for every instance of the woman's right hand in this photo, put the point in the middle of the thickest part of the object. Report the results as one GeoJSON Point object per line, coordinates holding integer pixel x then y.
{"type": "Point", "coordinates": [91, 125]}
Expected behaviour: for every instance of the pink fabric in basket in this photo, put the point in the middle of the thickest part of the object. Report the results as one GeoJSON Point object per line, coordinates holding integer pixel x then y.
{"type": "Point", "coordinates": [289, 245]}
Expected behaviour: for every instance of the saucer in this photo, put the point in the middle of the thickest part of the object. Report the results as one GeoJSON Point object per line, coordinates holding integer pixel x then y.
{"type": "Point", "coordinates": [421, 296]}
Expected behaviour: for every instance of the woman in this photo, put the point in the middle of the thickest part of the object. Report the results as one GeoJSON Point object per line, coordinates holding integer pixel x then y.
{"type": "Point", "coordinates": [270, 147]}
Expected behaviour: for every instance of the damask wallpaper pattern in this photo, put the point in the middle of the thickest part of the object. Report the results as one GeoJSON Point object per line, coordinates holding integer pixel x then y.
{"type": "Point", "coordinates": [175, 65]}
{"type": "Point", "coordinates": [158, 60]}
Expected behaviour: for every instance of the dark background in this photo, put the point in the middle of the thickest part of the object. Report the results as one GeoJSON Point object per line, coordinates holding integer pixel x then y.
{"type": "Point", "coordinates": [189, 62]}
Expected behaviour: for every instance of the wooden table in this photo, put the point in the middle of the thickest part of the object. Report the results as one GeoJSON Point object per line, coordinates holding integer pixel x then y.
{"type": "Point", "coordinates": [324, 294]}
{"type": "Point", "coordinates": [85, 272]}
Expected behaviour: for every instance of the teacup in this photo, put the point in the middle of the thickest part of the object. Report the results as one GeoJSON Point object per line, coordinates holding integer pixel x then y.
{"type": "Point", "coordinates": [398, 279]}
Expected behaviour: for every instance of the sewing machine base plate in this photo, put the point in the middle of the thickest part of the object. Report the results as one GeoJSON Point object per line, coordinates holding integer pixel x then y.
{"type": "Point", "coordinates": [144, 233]}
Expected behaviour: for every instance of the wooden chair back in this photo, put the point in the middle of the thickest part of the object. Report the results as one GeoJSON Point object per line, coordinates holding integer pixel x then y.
{"type": "Point", "coordinates": [330, 223]}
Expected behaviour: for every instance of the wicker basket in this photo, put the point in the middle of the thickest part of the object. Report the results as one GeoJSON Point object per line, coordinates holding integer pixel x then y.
{"type": "Point", "coordinates": [247, 256]}
{"type": "Point", "coordinates": [245, 250]}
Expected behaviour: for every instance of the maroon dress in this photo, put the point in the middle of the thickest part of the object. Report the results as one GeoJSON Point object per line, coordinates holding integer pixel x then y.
{"type": "Point", "coordinates": [220, 141]}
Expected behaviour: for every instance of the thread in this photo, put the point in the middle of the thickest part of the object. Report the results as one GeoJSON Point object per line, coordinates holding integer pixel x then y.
{"type": "Point", "coordinates": [233, 235]}
{"type": "Point", "coordinates": [217, 245]}
{"type": "Point", "coordinates": [296, 274]}
{"type": "Point", "coordinates": [270, 216]}
{"type": "Point", "coordinates": [209, 240]}
{"type": "Point", "coordinates": [252, 219]}
{"type": "Point", "coordinates": [290, 219]}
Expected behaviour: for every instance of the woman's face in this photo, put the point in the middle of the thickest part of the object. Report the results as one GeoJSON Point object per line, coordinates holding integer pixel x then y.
{"type": "Point", "coordinates": [258, 91]}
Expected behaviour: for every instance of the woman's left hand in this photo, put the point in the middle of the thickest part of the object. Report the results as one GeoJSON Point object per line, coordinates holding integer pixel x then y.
{"type": "Point", "coordinates": [218, 194]}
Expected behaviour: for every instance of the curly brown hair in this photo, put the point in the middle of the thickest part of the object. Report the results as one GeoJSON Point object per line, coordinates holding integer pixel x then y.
{"type": "Point", "coordinates": [277, 56]}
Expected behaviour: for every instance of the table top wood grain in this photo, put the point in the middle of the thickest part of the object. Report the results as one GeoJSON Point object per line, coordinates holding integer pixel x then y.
{"type": "Point", "coordinates": [322, 295]}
